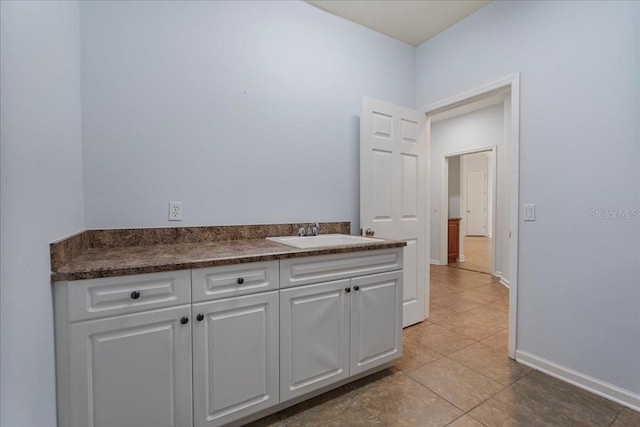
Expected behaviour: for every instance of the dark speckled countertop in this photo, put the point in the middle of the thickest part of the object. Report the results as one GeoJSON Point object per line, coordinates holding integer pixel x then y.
{"type": "Point", "coordinates": [87, 262]}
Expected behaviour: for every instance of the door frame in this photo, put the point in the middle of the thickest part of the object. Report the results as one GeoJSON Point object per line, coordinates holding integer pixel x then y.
{"type": "Point", "coordinates": [444, 202]}
{"type": "Point", "coordinates": [512, 83]}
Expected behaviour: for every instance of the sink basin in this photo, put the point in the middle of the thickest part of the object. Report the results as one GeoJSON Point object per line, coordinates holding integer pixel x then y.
{"type": "Point", "coordinates": [322, 240]}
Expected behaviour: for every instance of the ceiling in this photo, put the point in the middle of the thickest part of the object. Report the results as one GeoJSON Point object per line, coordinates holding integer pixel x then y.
{"type": "Point", "coordinates": [410, 21]}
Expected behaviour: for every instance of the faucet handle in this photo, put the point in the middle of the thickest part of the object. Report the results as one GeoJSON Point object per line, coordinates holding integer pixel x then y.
{"type": "Point", "coordinates": [312, 229]}
{"type": "Point", "coordinates": [301, 232]}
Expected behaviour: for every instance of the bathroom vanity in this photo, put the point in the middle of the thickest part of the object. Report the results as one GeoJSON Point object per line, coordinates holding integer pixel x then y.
{"type": "Point", "coordinates": [219, 332]}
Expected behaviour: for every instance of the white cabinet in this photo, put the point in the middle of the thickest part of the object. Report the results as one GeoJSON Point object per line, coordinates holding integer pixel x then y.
{"type": "Point", "coordinates": [235, 358]}
{"type": "Point", "coordinates": [376, 320]}
{"type": "Point", "coordinates": [216, 346]}
{"type": "Point", "coordinates": [314, 337]}
{"type": "Point", "coordinates": [123, 351]}
{"type": "Point", "coordinates": [131, 370]}
{"type": "Point", "coordinates": [333, 330]}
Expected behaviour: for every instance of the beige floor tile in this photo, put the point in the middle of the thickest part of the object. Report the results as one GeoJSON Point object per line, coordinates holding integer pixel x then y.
{"type": "Point", "coordinates": [478, 297]}
{"type": "Point", "coordinates": [466, 421]}
{"type": "Point", "coordinates": [314, 402]}
{"type": "Point", "coordinates": [497, 317]}
{"type": "Point", "coordinates": [401, 402]}
{"type": "Point", "coordinates": [538, 399]}
{"type": "Point", "coordinates": [342, 410]}
{"type": "Point", "coordinates": [441, 315]}
{"type": "Point", "coordinates": [414, 355]}
{"type": "Point", "coordinates": [491, 363]}
{"type": "Point", "coordinates": [373, 379]}
{"type": "Point", "coordinates": [440, 291]}
{"type": "Point", "coordinates": [458, 384]}
{"type": "Point", "coordinates": [473, 326]}
{"type": "Point", "coordinates": [627, 418]}
{"type": "Point", "coordinates": [493, 288]}
{"type": "Point", "coordinates": [499, 341]}
{"type": "Point", "coordinates": [270, 421]}
{"type": "Point", "coordinates": [455, 304]}
{"type": "Point", "coordinates": [441, 340]}
{"type": "Point", "coordinates": [499, 305]}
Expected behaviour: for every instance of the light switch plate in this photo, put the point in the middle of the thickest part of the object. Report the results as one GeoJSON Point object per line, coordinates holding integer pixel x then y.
{"type": "Point", "coordinates": [529, 212]}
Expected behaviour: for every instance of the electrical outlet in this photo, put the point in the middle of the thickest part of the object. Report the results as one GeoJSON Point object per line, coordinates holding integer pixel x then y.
{"type": "Point", "coordinates": [175, 211]}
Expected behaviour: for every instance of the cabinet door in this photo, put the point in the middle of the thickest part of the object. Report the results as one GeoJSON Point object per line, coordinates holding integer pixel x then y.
{"type": "Point", "coordinates": [376, 320]}
{"type": "Point", "coordinates": [235, 356]}
{"type": "Point", "coordinates": [132, 370]}
{"type": "Point", "coordinates": [314, 337]}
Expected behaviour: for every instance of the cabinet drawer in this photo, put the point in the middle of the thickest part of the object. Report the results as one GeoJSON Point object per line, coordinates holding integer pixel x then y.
{"type": "Point", "coordinates": [323, 268]}
{"type": "Point", "coordinates": [94, 298]}
{"type": "Point", "coordinates": [232, 280]}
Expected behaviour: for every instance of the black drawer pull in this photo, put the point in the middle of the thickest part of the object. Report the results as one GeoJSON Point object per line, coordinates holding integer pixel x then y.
{"type": "Point", "coordinates": [240, 280]}
{"type": "Point", "coordinates": [356, 288]}
{"type": "Point", "coordinates": [184, 320]}
{"type": "Point", "coordinates": [347, 290]}
{"type": "Point", "coordinates": [200, 317]}
{"type": "Point", "coordinates": [135, 295]}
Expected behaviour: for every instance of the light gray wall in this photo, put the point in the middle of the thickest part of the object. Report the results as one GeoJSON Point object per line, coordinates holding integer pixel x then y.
{"type": "Point", "coordinates": [477, 129]}
{"type": "Point", "coordinates": [40, 192]}
{"type": "Point", "coordinates": [579, 277]}
{"type": "Point", "coordinates": [454, 188]}
{"type": "Point", "coordinates": [247, 112]}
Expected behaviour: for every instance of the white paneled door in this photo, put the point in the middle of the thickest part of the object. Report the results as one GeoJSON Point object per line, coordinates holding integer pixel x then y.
{"type": "Point", "coordinates": [393, 191]}
{"type": "Point", "coordinates": [476, 202]}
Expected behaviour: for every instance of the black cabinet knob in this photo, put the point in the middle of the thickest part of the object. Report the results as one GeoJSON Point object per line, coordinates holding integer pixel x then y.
{"type": "Point", "coordinates": [356, 288]}
{"type": "Point", "coordinates": [184, 320]}
{"type": "Point", "coordinates": [200, 317]}
{"type": "Point", "coordinates": [135, 295]}
{"type": "Point", "coordinates": [240, 281]}
{"type": "Point", "coordinates": [347, 290]}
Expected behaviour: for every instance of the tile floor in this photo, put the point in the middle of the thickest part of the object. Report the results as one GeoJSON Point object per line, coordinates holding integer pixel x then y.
{"type": "Point", "coordinates": [455, 372]}
{"type": "Point", "coordinates": [477, 254]}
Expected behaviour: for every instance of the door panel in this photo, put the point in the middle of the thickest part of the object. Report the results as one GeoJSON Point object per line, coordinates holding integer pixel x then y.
{"type": "Point", "coordinates": [411, 291]}
{"type": "Point", "coordinates": [131, 370]}
{"type": "Point", "coordinates": [376, 320]}
{"type": "Point", "coordinates": [381, 171]}
{"type": "Point", "coordinates": [409, 207]}
{"type": "Point", "coordinates": [235, 356]}
{"type": "Point", "coordinates": [476, 202]}
{"type": "Point", "coordinates": [314, 337]}
{"type": "Point", "coordinates": [393, 190]}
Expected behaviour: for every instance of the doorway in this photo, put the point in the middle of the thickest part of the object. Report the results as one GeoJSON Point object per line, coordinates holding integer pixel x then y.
{"type": "Point", "coordinates": [504, 237]}
{"type": "Point", "coordinates": [469, 210]}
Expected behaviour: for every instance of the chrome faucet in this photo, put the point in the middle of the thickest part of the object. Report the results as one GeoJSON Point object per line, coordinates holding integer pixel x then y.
{"type": "Point", "coordinates": [312, 230]}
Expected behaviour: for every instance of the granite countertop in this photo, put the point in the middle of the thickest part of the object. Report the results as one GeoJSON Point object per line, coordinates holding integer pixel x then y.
{"type": "Point", "coordinates": [96, 262]}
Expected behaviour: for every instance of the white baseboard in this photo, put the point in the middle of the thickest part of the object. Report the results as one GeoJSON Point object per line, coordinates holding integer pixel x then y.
{"type": "Point", "coordinates": [434, 262]}
{"type": "Point", "coordinates": [601, 388]}
{"type": "Point", "coordinates": [504, 282]}
{"type": "Point", "coordinates": [461, 258]}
